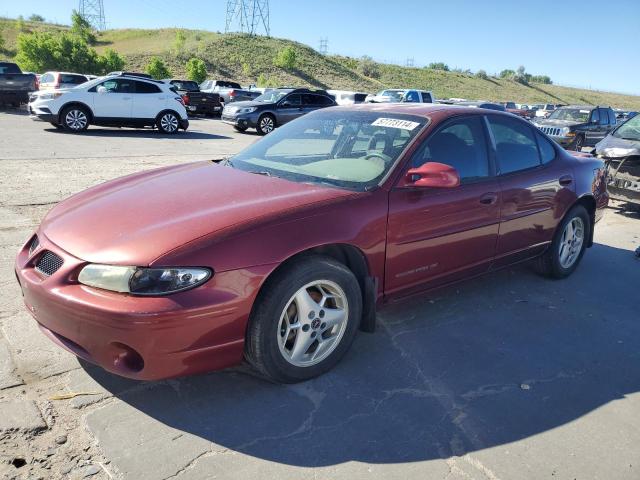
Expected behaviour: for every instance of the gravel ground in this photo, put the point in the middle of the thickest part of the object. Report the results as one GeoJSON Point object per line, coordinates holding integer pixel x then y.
{"type": "Point", "coordinates": [506, 376]}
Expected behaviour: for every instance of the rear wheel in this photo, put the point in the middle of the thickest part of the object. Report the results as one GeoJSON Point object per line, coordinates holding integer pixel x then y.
{"type": "Point", "coordinates": [266, 124]}
{"type": "Point", "coordinates": [75, 119]}
{"type": "Point", "coordinates": [578, 143]}
{"type": "Point", "coordinates": [568, 245]}
{"type": "Point", "coordinates": [168, 122]}
{"type": "Point", "coordinates": [304, 321]}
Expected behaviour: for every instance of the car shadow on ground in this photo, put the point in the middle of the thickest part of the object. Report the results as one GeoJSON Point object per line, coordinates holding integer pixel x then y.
{"type": "Point", "coordinates": [483, 363]}
{"type": "Point", "coordinates": [13, 110]}
{"type": "Point", "coordinates": [141, 133]}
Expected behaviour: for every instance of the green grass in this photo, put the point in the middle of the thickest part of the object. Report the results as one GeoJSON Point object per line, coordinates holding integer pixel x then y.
{"type": "Point", "coordinates": [244, 58]}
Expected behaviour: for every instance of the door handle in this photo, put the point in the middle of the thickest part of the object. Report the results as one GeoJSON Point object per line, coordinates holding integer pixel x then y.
{"type": "Point", "coordinates": [565, 180]}
{"type": "Point", "coordinates": [489, 198]}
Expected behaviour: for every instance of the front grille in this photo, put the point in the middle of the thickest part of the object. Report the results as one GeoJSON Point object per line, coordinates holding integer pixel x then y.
{"type": "Point", "coordinates": [550, 130]}
{"type": "Point", "coordinates": [49, 263]}
{"type": "Point", "coordinates": [35, 243]}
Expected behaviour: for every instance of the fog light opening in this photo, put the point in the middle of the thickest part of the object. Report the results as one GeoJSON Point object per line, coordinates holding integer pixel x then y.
{"type": "Point", "coordinates": [126, 358]}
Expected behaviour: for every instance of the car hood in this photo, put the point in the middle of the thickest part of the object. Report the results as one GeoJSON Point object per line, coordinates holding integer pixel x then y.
{"type": "Point", "coordinates": [136, 219]}
{"type": "Point", "coordinates": [549, 122]}
{"type": "Point", "coordinates": [614, 147]}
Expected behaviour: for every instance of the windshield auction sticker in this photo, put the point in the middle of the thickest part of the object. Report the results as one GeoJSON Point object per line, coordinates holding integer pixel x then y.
{"type": "Point", "coordinates": [395, 123]}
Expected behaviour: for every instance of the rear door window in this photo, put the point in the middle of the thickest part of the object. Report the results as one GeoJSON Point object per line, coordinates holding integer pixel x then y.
{"type": "Point", "coordinates": [293, 100]}
{"type": "Point", "coordinates": [516, 146]}
{"type": "Point", "coordinates": [145, 87]}
{"type": "Point", "coordinates": [547, 151]}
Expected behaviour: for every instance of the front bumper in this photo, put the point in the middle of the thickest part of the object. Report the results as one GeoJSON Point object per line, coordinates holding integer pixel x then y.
{"type": "Point", "coordinates": [41, 111]}
{"type": "Point", "coordinates": [144, 338]}
{"type": "Point", "coordinates": [249, 120]}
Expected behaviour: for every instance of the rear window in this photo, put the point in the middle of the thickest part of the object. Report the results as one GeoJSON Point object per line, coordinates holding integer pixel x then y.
{"type": "Point", "coordinates": [224, 84]}
{"type": "Point", "coordinates": [9, 68]}
{"type": "Point", "coordinates": [186, 85]}
{"type": "Point", "coordinates": [75, 79]}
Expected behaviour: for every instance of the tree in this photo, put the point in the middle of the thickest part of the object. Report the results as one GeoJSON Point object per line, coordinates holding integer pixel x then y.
{"type": "Point", "coordinates": [20, 25]}
{"type": "Point", "coordinates": [508, 74]}
{"type": "Point", "coordinates": [287, 58]}
{"type": "Point", "coordinates": [196, 70]}
{"type": "Point", "coordinates": [438, 66]}
{"type": "Point", "coordinates": [82, 28]}
{"type": "Point", "coordinates": [36, 18]}
{"type": "Point", "coordinates": [482, 74]}
{"type": "Point", "coordinates": [369, 68]}
{"type": "Point", "coordinates": [541, 79]}
{"type": "Point", "coordinates": [179, 41]}
{"type": "Point", "coordinates": [111, 61]}
{"type": "Point", "coordinates": [1, 41]}
{"type": "Point", "coordinates": [41, 51]}
{"type": "Point", "coordinates": [157, 69]}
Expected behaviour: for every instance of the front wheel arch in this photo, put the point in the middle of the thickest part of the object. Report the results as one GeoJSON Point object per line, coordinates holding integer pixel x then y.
{"type": "Point", "coordinates": [75, 104]}
{"type": "Point", "coordinates": [164, 112]}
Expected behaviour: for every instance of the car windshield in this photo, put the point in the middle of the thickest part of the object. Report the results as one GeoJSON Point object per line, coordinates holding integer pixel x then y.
{"type": "Point", "coordinates": [573, 114]}
{"type": "Point", "coordinates": [347, 149]}
{"type": "Point", "coordinates": [395, 95]}
{"type": "Point", "coordinates": [188, 86]}
{"type": "Point", "coordinates": [629, 130]}
{"type": "Point", "coordinates": [271, 97]}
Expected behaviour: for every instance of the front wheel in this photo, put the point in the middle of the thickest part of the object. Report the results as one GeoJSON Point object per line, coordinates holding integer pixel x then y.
{"type": "Point", "coordinates": [568, 245]}
{"type": "Point", "coordinates": [168, 122]}
{"type": "Point", "coordinates": [304, 320]}
{"type": "Point", "coordinates": [266, 124]}
{"type": "Point", "coordinates": [240, 128]}
{"type": "Point", "coordinates": [578, 143]}
{"type": "Point", "coordinates": [75, 119]}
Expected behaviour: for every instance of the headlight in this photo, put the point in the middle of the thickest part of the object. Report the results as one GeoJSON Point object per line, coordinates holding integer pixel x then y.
{"type": "Point", "coordinates": [50, 96]}
{"type": "Point", "coordinates": [247, 110]}
{"type": "Point", "coordinates": [143, 281]}
{"type": "Point", "coordinates": [564, 131]}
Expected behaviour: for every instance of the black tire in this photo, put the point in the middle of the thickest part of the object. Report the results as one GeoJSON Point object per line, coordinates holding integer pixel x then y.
{"type": "Point", "coordinates": [239, 128]}
{"type": "Point", "coordinates": [549, 264]}
{"type": "Point", "coordinates": [262, 347]}
{"type": "Point", "coordinates": [266, 124]}
{"type": "Point", "coordinates": [578, 143]}
{"type": "Point", "coordinates": [75, 119]}
{"type": "Point", "coordinates": [168, 122]}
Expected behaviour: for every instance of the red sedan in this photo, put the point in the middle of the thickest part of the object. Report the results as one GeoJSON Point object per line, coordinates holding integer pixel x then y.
{"type": "Point", "coordinates": [282, 252]}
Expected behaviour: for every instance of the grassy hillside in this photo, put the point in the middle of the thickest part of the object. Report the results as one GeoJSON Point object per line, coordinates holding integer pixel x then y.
{"type": "Point", "coordinates": [244, 58]}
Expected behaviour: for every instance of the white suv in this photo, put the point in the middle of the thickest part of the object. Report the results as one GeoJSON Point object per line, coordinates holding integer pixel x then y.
{"type": "Point", "coordinates": [114, 101]}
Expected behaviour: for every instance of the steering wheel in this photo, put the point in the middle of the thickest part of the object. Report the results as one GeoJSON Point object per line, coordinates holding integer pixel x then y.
{"type": "Point", "coordinates": [385, 158]}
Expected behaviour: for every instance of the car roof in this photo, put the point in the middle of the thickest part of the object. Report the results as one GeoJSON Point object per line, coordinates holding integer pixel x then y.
{"type": "Point", "coordinates": [65, 73]}
{"type": "Point", "coordinates": [419, 109]}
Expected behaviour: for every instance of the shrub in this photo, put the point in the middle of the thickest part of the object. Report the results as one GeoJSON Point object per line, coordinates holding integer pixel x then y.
{"type": "Point", "coordinates": [369, 68]}
{"type": "Point", "coordinates": [1, 41]}
{"type": "Point", "coordinates": [508, 74]}
{"type": "Point", "coordinates": [111, 61]}
{"type": "Point", "coordinates": [482, 74]}
{"type": "Point", "coordinates": [36, 18]}
{"type": "Point", "coordinates": [41, 51]}
{"type": "Point", "coordinates": [157, 69]}
{"type": "Point", "coordinates": [438, 66]}
{"type": "Point", "coordinates": [179, 41]}
{"type": "Point", "coordinates": [196, 70]}
{"type": "Point", "coordinates": [82, 28]}
{"type": "Point", "coordinates": [287, 58]}
{"type": "Point", "coordinates": [246, 70]}
{"type": "Point", "coordinates": [541, 79]}
{"type": "Point", "coordinates": [20, 25]}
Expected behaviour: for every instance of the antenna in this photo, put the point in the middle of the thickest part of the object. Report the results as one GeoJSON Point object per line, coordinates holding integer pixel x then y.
{"type": "Point", "coordinates": [324, 45]}
{"type": "Point", "coordinates": [248, 15]}
{"type": "Point", "coordinates": [93, 12]}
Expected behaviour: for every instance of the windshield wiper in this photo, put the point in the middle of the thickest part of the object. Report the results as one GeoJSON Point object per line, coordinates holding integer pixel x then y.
{"type": "Point", "coordinates": [261, 172]}
{"type": "Point", "coordinates": [226, 161]}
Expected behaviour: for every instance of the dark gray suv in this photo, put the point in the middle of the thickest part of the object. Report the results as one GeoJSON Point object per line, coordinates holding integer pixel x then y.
{"type": "Point", "coordinates": [274, 108]}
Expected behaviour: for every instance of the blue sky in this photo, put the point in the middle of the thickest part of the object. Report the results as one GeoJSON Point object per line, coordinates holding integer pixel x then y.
{"type": "Point", "coordinates": [588, 43]}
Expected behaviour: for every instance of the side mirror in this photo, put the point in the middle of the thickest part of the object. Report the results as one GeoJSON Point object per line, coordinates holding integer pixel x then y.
{"type": "Point", "coordinates": [102, 89]}
{"type": "Point", "coordinates": [433, 175]}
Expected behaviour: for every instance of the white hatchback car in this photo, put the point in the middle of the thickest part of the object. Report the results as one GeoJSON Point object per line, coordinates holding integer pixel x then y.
{"type": "Point", "coordinates": [114, 101]}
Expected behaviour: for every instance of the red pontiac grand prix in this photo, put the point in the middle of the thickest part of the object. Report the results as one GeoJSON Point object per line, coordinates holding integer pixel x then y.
{"type": "Point", "coordinates": [282, 252]}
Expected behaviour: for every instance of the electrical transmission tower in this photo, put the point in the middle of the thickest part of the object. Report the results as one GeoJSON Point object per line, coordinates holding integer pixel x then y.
{"type": "Point", "coordinates": [248, 15]}
{"type": "Point", "coordinates": [409, 62]}
{"type": "Point", "coordinates": [324, 46]}
{"type": "Point", "coordinates": [93, 12]}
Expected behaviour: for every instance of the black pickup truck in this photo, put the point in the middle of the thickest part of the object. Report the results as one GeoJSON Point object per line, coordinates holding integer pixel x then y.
{"type": "Point", "coordinates": [15, 86]}
{"type": "Point", "coordinates": [196, 101]}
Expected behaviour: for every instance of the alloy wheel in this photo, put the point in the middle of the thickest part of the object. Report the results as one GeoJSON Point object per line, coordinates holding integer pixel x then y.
{"type": "Point", "coordinates": [169, 123]}
{"type": "Point", "coordinates": [266, 124]}
{"type": "Point", "coordinates": [76, 119]}
{"type": "Point", "coordinates": [571, 242]}
{"type": "Point", "coordinates": [312, 323]}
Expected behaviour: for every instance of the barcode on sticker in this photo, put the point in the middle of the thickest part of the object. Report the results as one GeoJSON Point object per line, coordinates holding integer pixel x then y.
{"type": "Point", "coordinates": [395, 123]}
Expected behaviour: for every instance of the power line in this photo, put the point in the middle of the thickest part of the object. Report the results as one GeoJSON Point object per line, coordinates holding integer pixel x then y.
{"type": "Point", "coordinates": [93, 12]}
{"type": "Point", "coordinates": [249, 16]}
